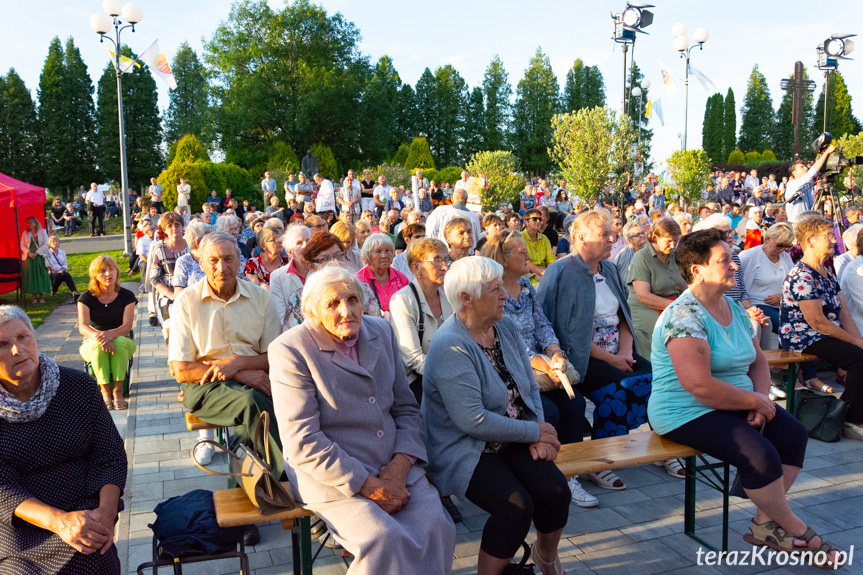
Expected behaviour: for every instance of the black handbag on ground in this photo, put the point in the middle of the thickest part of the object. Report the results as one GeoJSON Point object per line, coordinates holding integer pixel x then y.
{"type": "Point", "coordinates": [522, 567]}
{"type": "Point", "coordinates": [821, 414]}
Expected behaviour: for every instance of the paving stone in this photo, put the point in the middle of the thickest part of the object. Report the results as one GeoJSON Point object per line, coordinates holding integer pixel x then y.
{"type": "Point", "coordinates": [643, 558]}
{"type": "Point", "coordinates": [593, 521]}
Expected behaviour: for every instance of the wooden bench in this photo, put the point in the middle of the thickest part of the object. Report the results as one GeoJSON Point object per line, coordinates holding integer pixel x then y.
{"type": "Point", "coordinates": [234, 509]}
{"type": "Point", "coordinates": [784, 359]}
{"type": "Point", "coordinates": [195, 424]}
{"type": "Point", "coordinates": [636, 449]}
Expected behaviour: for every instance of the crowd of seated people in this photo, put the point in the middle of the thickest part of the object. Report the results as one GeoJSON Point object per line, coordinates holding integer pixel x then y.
{"type": "Point", "coordinates": [424, 346]}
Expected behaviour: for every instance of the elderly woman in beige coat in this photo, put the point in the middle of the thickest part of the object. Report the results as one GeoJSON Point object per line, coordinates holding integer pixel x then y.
{"type": "Point", "coordinates": [353, 435]}
{"type": "Point", "coordinates": [417, 310]}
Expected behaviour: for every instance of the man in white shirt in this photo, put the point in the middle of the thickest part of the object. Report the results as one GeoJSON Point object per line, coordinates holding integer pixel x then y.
{"type": "Point", "coordinates": [326, 200]}
{"type": "Point", "coordinates": [418, 181]}
{"type": "Point", "coordinates": [382, 194]}
{"type": "Point", "coordinates": [155, 192]}
{"type": "Point", "coordinates": [438, 219]}
{"type": "Point", "coordinates": [751, 182]}
{"type": "Point", "coordinates": [96, 201]}
{"type": "Point", "coordinates": [184, 193]}
{"type": "Point", "coordinates": [462, 183]}
{"type": "Point", "coordinates": [800, 191]}
{"type": "Point", "coordinates": [349, 197]}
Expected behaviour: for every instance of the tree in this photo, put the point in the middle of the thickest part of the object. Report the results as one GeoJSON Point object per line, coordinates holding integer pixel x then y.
{"type": "Point", "coordinates": [590, 144]}
{"type": "Point", "coordinates": [426, 106]}
{"type": "Point", "coordinates": [840, 119]}
{"type": "Point", "coordinates": [188, 149]}
{"type": "Point", "coordinates": [584, 88]}
{"type": "Point", "coordinates": [757, 125]}
{"type": "Point", "coordinates": [691, 169]}
{"type": "Point", "coordinates": [53, 136]}
{"type": "Point", "coordinates": [294, 75]}
{"type": "Point", "coordinates": [450, 96]}
{"type": "Point", "coordinates": [401, 155]}
{"type": "Point", "coordinates": [19, 156]}
{"type": "Point", "coordinates": [736, 157]}
{"type": "Point", "coordinates": [407, 123]}
{"type": "Point", "coordinates": [141, 121]}
{"type": "Point", "coordinates": [711, 129]}
{"type": "Point", "coordinates": [852, 145]}
{"type": "Point", "coordinates": [419, 155]}
{"type": "Point", "coordinates": [500, 170]}
{"type": "Point", "coordinates": [784, 138]}
{"type": "Point", "coordinates": [535, 104]}
{"type": "Point", "coordinates": [189, 105]}
{"type": "Point", "coordinates": [498, 108]}
{"type": "Point", "coordinates": [474, 124]}
{"type": "Point", "coordinates": [729, 125]}
{"type": "Point", "coordinates": [381, 111]}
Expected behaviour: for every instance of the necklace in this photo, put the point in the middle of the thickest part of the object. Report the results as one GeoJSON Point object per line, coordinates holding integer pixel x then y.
{"type": "Point", "coordinates": [726, 328]}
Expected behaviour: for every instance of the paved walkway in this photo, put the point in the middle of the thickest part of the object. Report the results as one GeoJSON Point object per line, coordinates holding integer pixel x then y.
{"type": "Point", "coordinates": [635, 531]}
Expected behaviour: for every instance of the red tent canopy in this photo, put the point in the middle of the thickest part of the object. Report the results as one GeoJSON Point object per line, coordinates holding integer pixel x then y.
{"type": "Point", "coordinates": [18, 201]}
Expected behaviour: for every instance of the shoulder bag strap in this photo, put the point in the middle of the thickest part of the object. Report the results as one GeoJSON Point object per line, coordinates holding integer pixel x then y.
{"type": "Point", "coordinates": [231, 455]}
{"type": "Point", "coordinates": [377, 297]}
{"type": "Point", "coordinates": [421, 326]}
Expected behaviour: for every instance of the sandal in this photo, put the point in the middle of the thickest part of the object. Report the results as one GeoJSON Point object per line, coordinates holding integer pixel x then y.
{"type": "Point", "coordinates": [41, 300]}
{"type": "Point", "coordinates": [556, 564]}
{"type": "Point", "coordinates": [673, 468]}
{"type": "Point", "coordinates": [826, 547]}
{"type": "Point", "coordinates": [769, 535]}
{"type": "Point", "coordinates": [35, 301]}
{"type": "Point", "coordinates": [607, 480]}
{"type": "Point", "coordinates": [120, 404]}
{"type": "Point", "coordinates": [108, 403]}
{"type": "Point", "coordinates": [814, 384]}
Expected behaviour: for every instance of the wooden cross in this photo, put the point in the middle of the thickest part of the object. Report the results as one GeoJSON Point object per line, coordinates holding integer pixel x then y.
{"type": "Point", "coordinates": [797, 85]}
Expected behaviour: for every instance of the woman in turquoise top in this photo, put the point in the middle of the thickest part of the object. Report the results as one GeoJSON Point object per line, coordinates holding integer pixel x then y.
{"type": "Point", "coordinates": [720, 406]}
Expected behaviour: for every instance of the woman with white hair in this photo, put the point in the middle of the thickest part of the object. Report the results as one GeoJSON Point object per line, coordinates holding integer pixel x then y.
{"type": "Point", "coordinates": [684, 220]}
{"type": "Point", "coordinates": [486, 434]}
{"type": "Point", "coordinates": [636, 238]}
{"type": "Point", "coordinates": [63, 462]}
{"type": "Point", "coordinates": [352, 433]}
{"type": "Point", "coordinates": [187, 269]}
{"type": "Point", "coordinates": [377, 253]}
{"type": "Point", "coordinates": [765, 267]}
{"type": "Point", "coordinates": [849, 240]}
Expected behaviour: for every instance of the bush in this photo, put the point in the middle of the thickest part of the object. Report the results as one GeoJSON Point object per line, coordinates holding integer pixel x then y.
{"type": "Point", "coordinates": [736, 157]}
{"type": "Point", "coordinates": [500, 170]}
{"type": "Point", "coordinates": [396, 174]}
{"type": "Point", "coordinates": [327, 165]}
{"type": "Point", "coordinates": [451, 174]}
{"type": "Point", "coordinates": [401, 155]}
{"type": "Point", "coordinates": [768, 156]}
{"type": "Point", "coordinates": [170, 179]}
{"type": "Point", "coordinates": [751, 158]}
{"type": "Point", "coordinates": [187, 149]}
{"type": "Point", "coordinates": [283, 157]}
{"type": "Point", "coordinates": [419, 156]}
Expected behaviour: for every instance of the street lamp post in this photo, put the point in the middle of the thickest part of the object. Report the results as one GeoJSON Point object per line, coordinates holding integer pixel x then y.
{"type": "Point", "coordinates": [637, 92]}
{"type": "Point", "coordinates": [101, 23]}
{"type": "Point", "coordinates": [681, 44]}
{"type": "Point", "coordinates": [830, 51]}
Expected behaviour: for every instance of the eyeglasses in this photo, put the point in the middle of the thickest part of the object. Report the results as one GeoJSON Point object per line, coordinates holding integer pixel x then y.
{"type": "Point", "coordinates": [785, 247]}
{"type": "Point", "coordinates": [330, 258]}
{"type": "Point", "coordinates": [534, 219]}
{"type": "Point", "coordinates": [438, 262]}
{"type": "Point", "coordinates": [638, 235]}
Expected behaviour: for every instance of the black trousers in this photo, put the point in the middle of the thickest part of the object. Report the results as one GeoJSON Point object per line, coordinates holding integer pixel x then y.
{"type": "Point", "coordinates": [58, 278]}
{"type": "Point", "coordinates": [97, 213]}
{"type": "Point", "coordinates": [515, 489]}
{"type": "Point", "coordinates": [850, 358]}
{"type": "Point", "coordinates": [758, 458]}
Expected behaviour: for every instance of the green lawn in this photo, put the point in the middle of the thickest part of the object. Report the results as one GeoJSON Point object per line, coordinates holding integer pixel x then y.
{"type": "Point", "coordinates": [79, 265]}
{"type": "Point", "coordinates": [112, 226]}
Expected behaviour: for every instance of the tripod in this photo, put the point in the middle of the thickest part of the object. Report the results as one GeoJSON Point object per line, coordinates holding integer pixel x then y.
{"type": "Point", "coordinates": [828, 192]}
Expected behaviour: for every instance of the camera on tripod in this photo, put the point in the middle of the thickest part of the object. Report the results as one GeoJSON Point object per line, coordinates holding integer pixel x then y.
{"type": "Point", "coordinates": [836, 162]}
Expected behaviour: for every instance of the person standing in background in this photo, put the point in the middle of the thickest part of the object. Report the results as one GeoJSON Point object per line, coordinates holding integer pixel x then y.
{"type": "Point", "coordinates": [184, 193]}
{"type": "Point", "coordinates": [155, 192]}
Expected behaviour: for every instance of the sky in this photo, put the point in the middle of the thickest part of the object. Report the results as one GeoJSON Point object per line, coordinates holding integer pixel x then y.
{"type": "Point", "coordinates": [467, 34]}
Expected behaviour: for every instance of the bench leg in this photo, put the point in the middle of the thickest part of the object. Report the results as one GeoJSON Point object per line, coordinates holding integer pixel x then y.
{"type": "Point", "coordinates": [301, 541]}
{"type": "Point", "coordinates": [689, 498]}
{"type": "Point", "coordinates": [790, 388]}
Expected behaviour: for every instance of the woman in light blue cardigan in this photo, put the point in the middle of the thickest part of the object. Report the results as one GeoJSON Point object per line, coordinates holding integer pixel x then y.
{"type": "Point", "coordinates": [485, 433]}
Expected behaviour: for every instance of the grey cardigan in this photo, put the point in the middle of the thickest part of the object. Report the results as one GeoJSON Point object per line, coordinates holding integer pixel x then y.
{"type": "Point", "coordinates": [465, 401]}
{"type": "Point", "coordinates": [568, 298]}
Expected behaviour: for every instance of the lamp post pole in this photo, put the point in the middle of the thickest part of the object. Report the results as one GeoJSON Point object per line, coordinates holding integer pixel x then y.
{"type": "Point", "coordinates": [102, 24]}
{"type": "Point", "coordinates": [681, 44]}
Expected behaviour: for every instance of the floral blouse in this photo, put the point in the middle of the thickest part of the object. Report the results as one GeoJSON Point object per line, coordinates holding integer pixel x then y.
{"type": "Point", "coordinates": [526, 311]}
{"type": "Point", "coordinates": [605, 319]}
{"type": "Point", "coordinates": [516, 409]}
{"type": "Point", "coordinates": [256, 268]}
{"type": "Point", "coordinates": [804, 283]}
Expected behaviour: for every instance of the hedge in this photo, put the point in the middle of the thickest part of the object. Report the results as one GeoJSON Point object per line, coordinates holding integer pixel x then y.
{"type": "Point", "coordinates": [203, 177]}
{"type": "Point", "coordinates": [451, 174]}
{"type": "Point", "coordinates": [327, 165]}
{"type": "Point", "coordinates": [401, 155]}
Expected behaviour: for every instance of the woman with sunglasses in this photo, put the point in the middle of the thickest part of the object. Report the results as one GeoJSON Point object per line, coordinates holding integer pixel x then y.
{"type": "Point", "coordinates": [765, 267]}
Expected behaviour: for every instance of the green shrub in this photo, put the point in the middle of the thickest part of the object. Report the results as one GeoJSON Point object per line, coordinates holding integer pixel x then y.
{"type": "Point", "coordinates": [736, 157]}
{"type": "Point", "coordinates": [450, 174]}
{"type": "Point", "coordinates": [283, 157]}
{"type": "Point", "coordinates": [500, 170]}
{"type": "Point", "coordinates": [401, 155]}
{"type": "Point", "coordinates": [419, 156]}
{"type": "Point", "coordinates": [222, 176]}
{"type": "Point", "coordinates": [327, 165]}
{"type": "Point", "coordinates": [188, 149]}
{"type": "Point", "coordinates": [751, 157]}
{"type": "Point", "coordinates": [768, 156]}
{"type": "Point", "coordinates": [170, 179]}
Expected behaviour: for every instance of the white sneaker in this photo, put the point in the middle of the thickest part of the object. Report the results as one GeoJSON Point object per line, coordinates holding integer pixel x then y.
{"type": "Point", "coordinates": [579, 496]}
{"type": "Point", "coordinates": [777, 392]}
{"type": "Point", "coordinates": [204, 453]}
{"type": "Point", "coordinates": [852, 431]}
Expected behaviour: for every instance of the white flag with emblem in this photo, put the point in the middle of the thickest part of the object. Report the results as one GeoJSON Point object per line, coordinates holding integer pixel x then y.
{"type": "Point", "coordinates": [155, 58]}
